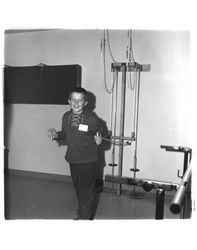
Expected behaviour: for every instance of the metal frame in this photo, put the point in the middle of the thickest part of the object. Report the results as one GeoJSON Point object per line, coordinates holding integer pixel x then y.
{"type": "Point", "coordinates": [179, 198]}
{"type": "Point", "coordinates": [178, 202]}
{"type": "Point", "coordinates": [182, 194]}
{"type": "Point", "coordinates": [148, 185]}
{"type": "Point", "coordinates": [124, 68]}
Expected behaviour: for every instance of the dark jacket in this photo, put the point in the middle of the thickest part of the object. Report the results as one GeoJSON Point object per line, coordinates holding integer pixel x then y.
{"type": "Point", "coordinates": [81, 144]}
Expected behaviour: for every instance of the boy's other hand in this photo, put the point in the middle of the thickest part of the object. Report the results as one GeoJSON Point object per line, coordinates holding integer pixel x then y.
{"type": "Point", "coordinates": [98, 138]}
{"type": "Point", "coordinates": [52, 134]}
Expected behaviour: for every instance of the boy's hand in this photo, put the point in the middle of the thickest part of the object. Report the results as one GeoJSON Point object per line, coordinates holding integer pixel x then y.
{"type": "Point", "coordinates": [98, 138]}
{"type": "Point", "coordinates": [52, 134]}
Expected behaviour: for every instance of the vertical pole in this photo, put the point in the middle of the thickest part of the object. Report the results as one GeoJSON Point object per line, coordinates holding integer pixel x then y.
{"type": "Point", "coordinates": [187, 159]}
{"type": "Point", "coordinates": [183, 209]}
{"type": "Point", "coordinates": [135, 126]}
{"type": "Point", "coordinates": [136, 122]}
{"type": "Point", "coordinates": [185, 163]}
{"type": "Point", "coordinates": [160, 197]}
{"type": "Point", "coordinates": [122, 116]}
{"type": "Point", "coordinates": [112, 124]}
{"type": "Point", "coordinates": [113, 128]}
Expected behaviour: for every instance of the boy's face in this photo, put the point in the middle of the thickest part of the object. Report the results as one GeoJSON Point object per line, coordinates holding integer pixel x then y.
{"type": "Point", "coordinates": [77, 102]}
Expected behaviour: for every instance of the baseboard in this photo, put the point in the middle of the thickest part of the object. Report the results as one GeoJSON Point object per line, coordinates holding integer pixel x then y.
{"type": "Point", "coordinates": [46, 176]}
{"type": "Point", "coordinates": [101, 184]}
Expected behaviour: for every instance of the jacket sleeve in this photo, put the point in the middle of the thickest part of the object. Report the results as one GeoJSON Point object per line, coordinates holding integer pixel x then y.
{"type": "Point", "coordinates": [61, 133]}
{"type": "Point", "coordinates": [101, 126]}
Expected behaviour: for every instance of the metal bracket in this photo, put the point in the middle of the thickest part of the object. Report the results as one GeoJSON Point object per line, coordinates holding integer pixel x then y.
{"type": "Point", "coordinates": [130, 66]}
{"type": "Point", "coordinates": [178, 175]}
{"type": "Point", "coordinates": [187, 153]}
{"type": "Point", "coordinates": [187, 158]}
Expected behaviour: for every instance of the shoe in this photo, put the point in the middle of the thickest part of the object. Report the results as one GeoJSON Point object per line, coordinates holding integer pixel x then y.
{"type": "Point", "coordinates": [91, 217]}
{"type": "Point", "coordinates": [76, 218]}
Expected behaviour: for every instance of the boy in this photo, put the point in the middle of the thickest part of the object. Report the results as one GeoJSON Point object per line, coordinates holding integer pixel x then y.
{"type": "Point", "coordinates": [81, 129]}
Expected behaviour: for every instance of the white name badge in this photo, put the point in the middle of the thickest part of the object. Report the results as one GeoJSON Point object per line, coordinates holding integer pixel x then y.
{"type": "Point", "coordinates": [83, 127]}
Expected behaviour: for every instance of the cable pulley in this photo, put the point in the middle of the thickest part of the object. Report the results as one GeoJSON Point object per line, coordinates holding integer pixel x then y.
{"type": "Point", "coordinates": [130, 72]}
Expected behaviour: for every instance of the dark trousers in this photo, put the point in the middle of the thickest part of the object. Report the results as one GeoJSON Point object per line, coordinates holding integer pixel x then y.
{"type": "Point", "coordinates": [84, 177]}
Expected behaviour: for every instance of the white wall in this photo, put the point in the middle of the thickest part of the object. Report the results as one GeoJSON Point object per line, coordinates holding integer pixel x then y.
{"type": "Point", "coordinates": [163, 117]}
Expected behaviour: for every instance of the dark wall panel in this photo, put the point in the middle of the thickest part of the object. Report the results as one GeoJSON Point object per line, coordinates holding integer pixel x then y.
{"type": "Point", "coordinates": [40, 84]}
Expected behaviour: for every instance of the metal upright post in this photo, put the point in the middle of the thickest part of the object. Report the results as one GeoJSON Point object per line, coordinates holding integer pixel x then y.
{"type": "Point", "coordinates": [187, 159]}
{"type": "Point", "coordinates": [136, 116]}
{"type": "Point", "coordinates": [160, 199]}
{"type": "Point", "coordinates": [114, 118]}
{"type": "Point", "coordinates": [136, 124]}
{"type": "Point", "coordinates": [122, 118]}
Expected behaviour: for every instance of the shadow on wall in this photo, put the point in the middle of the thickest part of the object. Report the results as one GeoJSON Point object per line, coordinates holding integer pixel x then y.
{"type": "Point", "coordinates": [106, 145]}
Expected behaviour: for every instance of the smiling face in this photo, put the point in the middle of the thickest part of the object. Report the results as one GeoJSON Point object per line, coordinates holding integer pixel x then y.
{"type": "Point", "coordinates": [77, 102]}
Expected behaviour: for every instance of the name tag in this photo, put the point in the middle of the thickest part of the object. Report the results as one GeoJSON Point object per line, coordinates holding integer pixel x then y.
{"type": "Point", "coordinates": [83, 127]}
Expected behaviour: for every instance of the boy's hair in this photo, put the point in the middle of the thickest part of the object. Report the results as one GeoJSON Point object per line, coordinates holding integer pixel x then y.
{"type": "Point", "coordinates": [79, 90]}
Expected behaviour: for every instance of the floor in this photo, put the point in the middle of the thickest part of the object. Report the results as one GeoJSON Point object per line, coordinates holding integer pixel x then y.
{"type": "Point", "coordinates": [34, 198]}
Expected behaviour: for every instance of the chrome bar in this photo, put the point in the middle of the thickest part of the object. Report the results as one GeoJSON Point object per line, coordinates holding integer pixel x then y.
{"type": "Point", "coordinates": [179, 197]}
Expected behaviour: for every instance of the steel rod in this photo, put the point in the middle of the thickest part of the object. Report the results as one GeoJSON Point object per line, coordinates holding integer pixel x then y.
{"type": "Point", "coordinates": [122, 118]}
{"type": "Point", "coordinates": [114, 119]}
{"type": "Point", "coordinates": [121, 137]}
{"type": "Point", "coordinates": [137, 94]}
{"type": "Point", "coordinates": [154, 184]}
{"type": "Point", "coordinates": [159, 209]}
{"type": "Point", "coordinates": [179, 196]}
{"type": "Point", "coordinates": [185, 162]}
